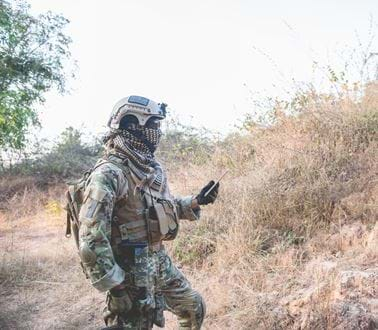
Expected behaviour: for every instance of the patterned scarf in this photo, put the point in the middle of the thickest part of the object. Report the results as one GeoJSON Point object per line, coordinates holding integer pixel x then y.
{"type": "Point", "coordinates": [138, 146]}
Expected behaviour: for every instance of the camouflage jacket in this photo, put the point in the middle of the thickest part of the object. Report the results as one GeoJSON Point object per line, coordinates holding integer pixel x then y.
{"type": "Point", "coordinates": [106, 187]}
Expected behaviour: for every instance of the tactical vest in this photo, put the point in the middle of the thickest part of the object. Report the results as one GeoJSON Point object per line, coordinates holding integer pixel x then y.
{"type": "Point", "coordinates": [147, 214]}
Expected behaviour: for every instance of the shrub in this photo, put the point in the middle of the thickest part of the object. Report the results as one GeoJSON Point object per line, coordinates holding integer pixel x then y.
{"type": "Point", "coordinates": [69, 157]}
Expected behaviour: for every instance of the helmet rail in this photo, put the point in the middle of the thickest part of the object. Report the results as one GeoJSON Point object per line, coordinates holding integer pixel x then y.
{"type": "Point", "coordinates": [140, 107]}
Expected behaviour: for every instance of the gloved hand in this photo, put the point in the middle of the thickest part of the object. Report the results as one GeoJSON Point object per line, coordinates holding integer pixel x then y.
{"type": "Point", "coordinates": [119, 301]}
{"type": "Point", "coordinates": [211, 195]}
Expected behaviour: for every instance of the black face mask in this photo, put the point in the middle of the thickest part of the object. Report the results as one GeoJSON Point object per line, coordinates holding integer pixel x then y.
{"type": "Point", "coordinates": [140, 137]}
{"type": "Point", "coordinates": [150, 137]}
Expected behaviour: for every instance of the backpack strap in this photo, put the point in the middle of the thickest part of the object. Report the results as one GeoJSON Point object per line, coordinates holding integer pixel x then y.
{"type": "Point", "coordinates": [123, 165]}
{"type": "Point", "coordinates": [68, 224]}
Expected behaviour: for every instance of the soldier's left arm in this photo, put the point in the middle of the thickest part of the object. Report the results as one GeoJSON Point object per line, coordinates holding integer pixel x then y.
{"type": "Point", "coordinates": [187, 208]}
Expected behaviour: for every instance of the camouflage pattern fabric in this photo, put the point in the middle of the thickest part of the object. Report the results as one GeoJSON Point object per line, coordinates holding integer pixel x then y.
{"type": "Point", "coordinates": [177, 295]}
{"type": "Point", "coordinates": [154, 271]}
{"type": "Point", "coordinates": [107, 184]}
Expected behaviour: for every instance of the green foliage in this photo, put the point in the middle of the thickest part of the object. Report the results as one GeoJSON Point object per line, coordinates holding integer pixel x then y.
{"type": "Point", "coordinates": [183, 142]}
{"type": "Point", "coordinates": [68, 158]}
{"type": "Point", "coordinates": [33, 51]}
{"type": "Point", "coordinates": [70, 155]}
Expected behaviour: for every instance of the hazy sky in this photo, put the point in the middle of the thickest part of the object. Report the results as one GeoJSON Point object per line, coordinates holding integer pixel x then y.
{"type": "Point", "coordinates": [199, 56]}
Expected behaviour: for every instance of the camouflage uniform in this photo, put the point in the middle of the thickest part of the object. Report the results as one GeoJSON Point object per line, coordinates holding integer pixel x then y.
{"type": "Point", "coordinates": [113, 213]}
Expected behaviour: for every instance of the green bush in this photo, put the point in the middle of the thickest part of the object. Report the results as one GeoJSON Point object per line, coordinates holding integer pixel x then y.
{"type": "Point", "coordinates": [68, 158]}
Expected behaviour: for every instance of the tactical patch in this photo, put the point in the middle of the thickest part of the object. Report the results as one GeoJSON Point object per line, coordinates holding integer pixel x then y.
{"type": "Point", "coordinates": [139, 100]}
{"type": "Point", "coordinates": [91, 209]}
{"type": "Point", "coordinates": [140, 254]}
{"type": "Point", "coordinates": [97, 194]}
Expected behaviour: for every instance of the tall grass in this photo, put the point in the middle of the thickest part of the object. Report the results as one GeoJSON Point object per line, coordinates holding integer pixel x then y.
{"type": "Point", "coordinates": [292, 185]}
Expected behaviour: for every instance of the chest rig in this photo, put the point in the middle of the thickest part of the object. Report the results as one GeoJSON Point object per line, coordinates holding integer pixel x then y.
{"type": "Point", "coordinates": [147, 215]}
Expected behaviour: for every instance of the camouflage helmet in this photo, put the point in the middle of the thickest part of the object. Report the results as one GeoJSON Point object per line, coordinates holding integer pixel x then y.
{"type": "Point", "coordinates": [140, 107]}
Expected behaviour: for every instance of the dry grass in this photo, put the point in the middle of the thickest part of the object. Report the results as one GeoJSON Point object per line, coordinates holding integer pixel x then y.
{"type": "Point", "coordinates": [290, 208]}
{"type": "Point", "coordinates": [41, 282]}
{"type": "Point", "coordinates": [290, 244]}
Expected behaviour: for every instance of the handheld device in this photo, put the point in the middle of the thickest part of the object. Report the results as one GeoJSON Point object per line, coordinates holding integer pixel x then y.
{"type": "Point", "coordinates": [216, 182]}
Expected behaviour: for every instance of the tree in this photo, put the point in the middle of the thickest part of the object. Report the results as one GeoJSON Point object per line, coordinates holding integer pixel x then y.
{"type": "Point", "coordinates": [33, 52]}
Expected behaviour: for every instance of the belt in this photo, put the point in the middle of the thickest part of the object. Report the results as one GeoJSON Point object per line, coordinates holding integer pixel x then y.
{"type": "Point", "coordinates": [128, 250]}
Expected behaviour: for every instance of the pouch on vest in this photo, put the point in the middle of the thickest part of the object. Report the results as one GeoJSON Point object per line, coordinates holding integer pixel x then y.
{"type": "Point", "coordinates": [170, 219]}
{"type": "Point", "coordinates": [163, 220]}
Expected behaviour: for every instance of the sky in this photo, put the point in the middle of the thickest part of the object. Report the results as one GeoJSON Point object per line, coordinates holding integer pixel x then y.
{"type": "Point", "coordinates": [205, 58]}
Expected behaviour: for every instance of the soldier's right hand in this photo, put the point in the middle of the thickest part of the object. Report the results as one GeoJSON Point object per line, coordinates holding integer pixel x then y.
{"type": "Point", "coordinates": [119, 301]}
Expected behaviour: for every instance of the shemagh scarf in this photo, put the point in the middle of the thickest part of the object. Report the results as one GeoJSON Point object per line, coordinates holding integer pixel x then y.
{"type": "Point", "coordinates": [138, 145]}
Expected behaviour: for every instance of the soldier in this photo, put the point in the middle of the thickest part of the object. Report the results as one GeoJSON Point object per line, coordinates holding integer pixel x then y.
{"type": "Point", "coordinates": [127, 212]}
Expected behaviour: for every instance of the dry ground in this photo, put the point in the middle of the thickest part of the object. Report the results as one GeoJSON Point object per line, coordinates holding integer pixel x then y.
{"type": "Point", "coordinates": [41, 284]}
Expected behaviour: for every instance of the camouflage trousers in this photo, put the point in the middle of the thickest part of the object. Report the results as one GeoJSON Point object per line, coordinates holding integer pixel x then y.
{"type": "Point", "coordinates": [175, 295]}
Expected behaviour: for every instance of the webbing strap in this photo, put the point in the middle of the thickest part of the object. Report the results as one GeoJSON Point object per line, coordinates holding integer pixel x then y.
{"type": "Point", "coordinates": [68, 224]}
{"type": "Point", "coordinates": [135, 224]}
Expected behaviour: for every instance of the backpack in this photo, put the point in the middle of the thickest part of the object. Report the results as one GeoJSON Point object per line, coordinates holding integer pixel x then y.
{"type": "Point", "coordinates": [74, 201]}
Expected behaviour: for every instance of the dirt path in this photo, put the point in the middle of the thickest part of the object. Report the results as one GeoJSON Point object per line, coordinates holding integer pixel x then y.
{"type": "Point", "coordinates": [41, 283]}
{"type": "Point", "coordinates": [42, 286]}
